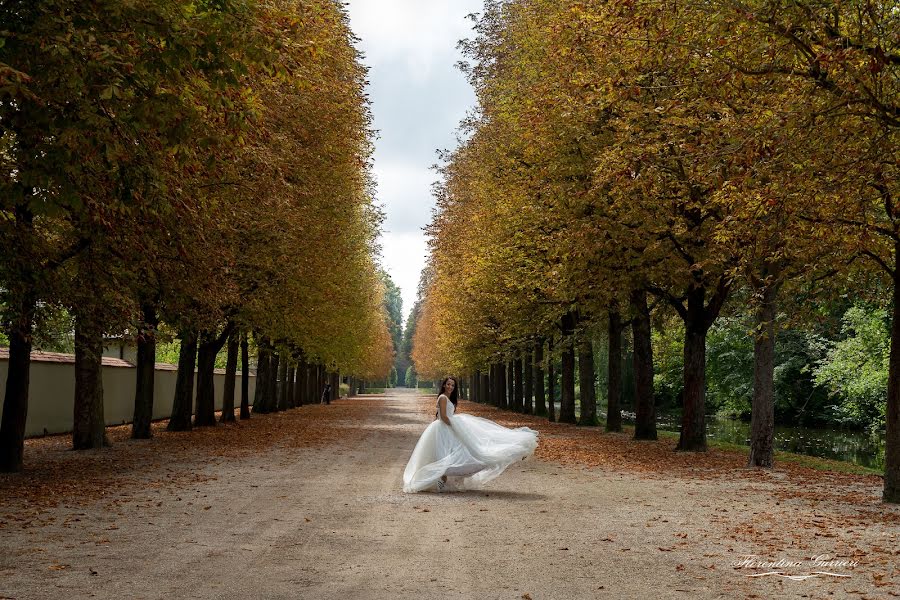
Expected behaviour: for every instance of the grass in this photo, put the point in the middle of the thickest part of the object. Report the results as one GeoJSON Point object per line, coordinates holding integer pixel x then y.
{"type": "Point", "coordinates": [825, 464]}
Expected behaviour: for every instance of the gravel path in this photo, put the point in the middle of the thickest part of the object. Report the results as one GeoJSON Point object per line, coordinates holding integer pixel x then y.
{"type": "Point", "coordinates": [331, 522]}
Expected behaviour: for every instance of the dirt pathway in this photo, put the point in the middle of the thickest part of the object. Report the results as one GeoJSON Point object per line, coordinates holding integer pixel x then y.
{"type": "Point", "coordinates": [330, 521]}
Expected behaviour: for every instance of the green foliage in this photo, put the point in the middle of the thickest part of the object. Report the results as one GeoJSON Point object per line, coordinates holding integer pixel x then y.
{"type": "Point", "coordinates": [729, 366]}
{"type": "Point", "coordinates": [818, 381]}
{"type": "Point", "coordinates": [392, 379]}
{"type": "Point", "coordinates": [167, 352]}
{"type": "Point", "coordinates": [393, 304]}
{"type": "Point", "coordinates": [403, 360]}
{"type": "Point", "coordinates": [798, 399]}
{"type": "Point", "coordinates": [54, 330]}
{"type": "Point", "coordinates": [855, 368]}
{"type": "Point", "coordinates": [668, 379]}
{"type": "Point", "coordinates": [411, 379]}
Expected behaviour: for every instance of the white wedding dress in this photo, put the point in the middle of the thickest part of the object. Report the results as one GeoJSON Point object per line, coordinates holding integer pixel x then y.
{"type": "Point", "coordinates": [475, 449]}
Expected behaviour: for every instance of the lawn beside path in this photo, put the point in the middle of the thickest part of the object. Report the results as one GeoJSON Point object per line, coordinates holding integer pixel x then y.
{"type": "Point", "coordinates": [307, 504]}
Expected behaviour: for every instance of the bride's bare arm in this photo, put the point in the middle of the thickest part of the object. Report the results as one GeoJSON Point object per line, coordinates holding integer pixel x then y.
{"type": "Point", "coordinates": [442, 407]}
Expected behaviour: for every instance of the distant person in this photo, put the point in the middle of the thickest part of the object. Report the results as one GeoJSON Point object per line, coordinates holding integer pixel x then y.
{"type": "Point", "coordinates": [476, 450]}
{"type": "Point", "coordinates": [326, 394]}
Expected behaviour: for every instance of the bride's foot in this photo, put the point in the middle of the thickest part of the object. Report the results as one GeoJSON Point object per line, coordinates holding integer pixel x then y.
{"type": "Point", "coordinates": [442, 485]}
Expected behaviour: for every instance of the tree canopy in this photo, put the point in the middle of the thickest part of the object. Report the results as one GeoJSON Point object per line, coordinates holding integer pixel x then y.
{"type": "Point", "coordinates": [695, 152]}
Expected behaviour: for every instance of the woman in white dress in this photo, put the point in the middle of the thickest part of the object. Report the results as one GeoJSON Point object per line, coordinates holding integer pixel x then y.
{"type": "Point", "coordinates": [473, 449]}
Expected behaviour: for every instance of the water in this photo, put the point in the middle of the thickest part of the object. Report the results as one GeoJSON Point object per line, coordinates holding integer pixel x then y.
{"type": "Point", "coordinates": [858, 447]}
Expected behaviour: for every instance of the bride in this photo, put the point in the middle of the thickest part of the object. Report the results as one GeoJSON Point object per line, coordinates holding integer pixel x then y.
{"type": "Point", "coordinates": [474, 449]}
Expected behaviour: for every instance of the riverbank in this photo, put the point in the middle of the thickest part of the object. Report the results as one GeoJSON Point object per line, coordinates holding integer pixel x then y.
{"type": "Point", "coordinates": [795, 443]}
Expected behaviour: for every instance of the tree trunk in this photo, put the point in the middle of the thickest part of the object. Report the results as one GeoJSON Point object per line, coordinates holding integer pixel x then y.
{"type": "Point", "coordinates": [491, 397]}
{"type": "Point", "coordinates": [89, 426]}
{"type": "Point", "coordinates": [15, 400]}
{"type": "Point", "coordinates": [492, 385]}
{"type": "Point", "coordinates": [567, 398]}
{"type": "Point", "coordinates": [501, 386]}
{"type": "Point", "coordinates": [614, 384]}
{"type": "Point", "coordinates": [520, 387]}
{"type": "Point", "coordinates": [540, 402]}
{"type": "Point", "coordinates": [275, 376]}
{"type": "Point", "coordinates": [644, 403]}
{"type": "Point", "coordinates": [528, 373]}
{"type": "Point", "coordinates": [312, 375]}
{"type": "Point", "coordinates": [587, 383]}
{"type": "Point", "coordinates": [478, 387]}
{"type": "Point", "coordinates": [510, 385]}
{"type": "Point", "coordinates": [263, 380]}
{"type": "Point", "coordinates": [762, 414]}
{"type": "Point", "coordinates": [300, 393]}
{"type": "Point", "coordinates": [892, 413]}
{"type": "Point", "coordinates": [205, 413]}
{"type": "Point", "coordinates": [284, 389]}
{"type": "Point", "coordinates": [230, 376]}
{"type": "Point", "coordinates": [245, 377]}
{"type": "Point", "coordinates": [498, 385]}
{"type": "Point", "coordinates": [693, 420]}
{"type": "Point", "coordinates": [184, 384]}
{"type": "Point", "coordinates": [479, 383]}
{"type": "Point", "coordinates": [145, 374]}
{"type": "Point", "coordinates": [551, 384]}
{"type": "Point", "coordinates": [483, 387]}
{"type": "Point", "coordinates": [300, 390]}
{"type": "Point", "coordinates": [291, 385]}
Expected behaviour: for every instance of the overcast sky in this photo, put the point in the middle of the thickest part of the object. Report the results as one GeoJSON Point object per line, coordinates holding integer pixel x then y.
{"type": "Point", "coordinates": [418, 99]}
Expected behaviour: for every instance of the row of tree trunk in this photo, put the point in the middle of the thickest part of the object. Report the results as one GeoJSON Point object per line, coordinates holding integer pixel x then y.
{"type": "Point", "coordinates": [511, 385]}
{"type": "Point", "coordinates": [523, 385]}
{"type": "Point", "coordinates": [282, 382]}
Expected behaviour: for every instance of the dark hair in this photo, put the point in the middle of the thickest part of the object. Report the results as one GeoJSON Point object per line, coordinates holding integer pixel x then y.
{"type": "Point", "coordinates": [455, 394]}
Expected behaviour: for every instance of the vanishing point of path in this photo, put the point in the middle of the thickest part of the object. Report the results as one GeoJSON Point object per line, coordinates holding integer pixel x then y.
{"type": "Point", "coordinates": [308, 505]}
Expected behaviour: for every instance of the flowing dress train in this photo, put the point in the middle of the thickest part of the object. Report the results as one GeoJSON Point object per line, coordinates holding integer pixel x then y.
{"type": "Point", "coordinates": [475, 449]}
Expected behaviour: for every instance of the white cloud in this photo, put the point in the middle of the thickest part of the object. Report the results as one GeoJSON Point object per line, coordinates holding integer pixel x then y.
{"type": "Point", "coordinates": [418, 98]}
{"type": "Point", "coordinates": [406, 190]}
{"type": "Point", "coordinates": [411, 32]}
{"type": "Point", "coordinates": [403, 256]}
